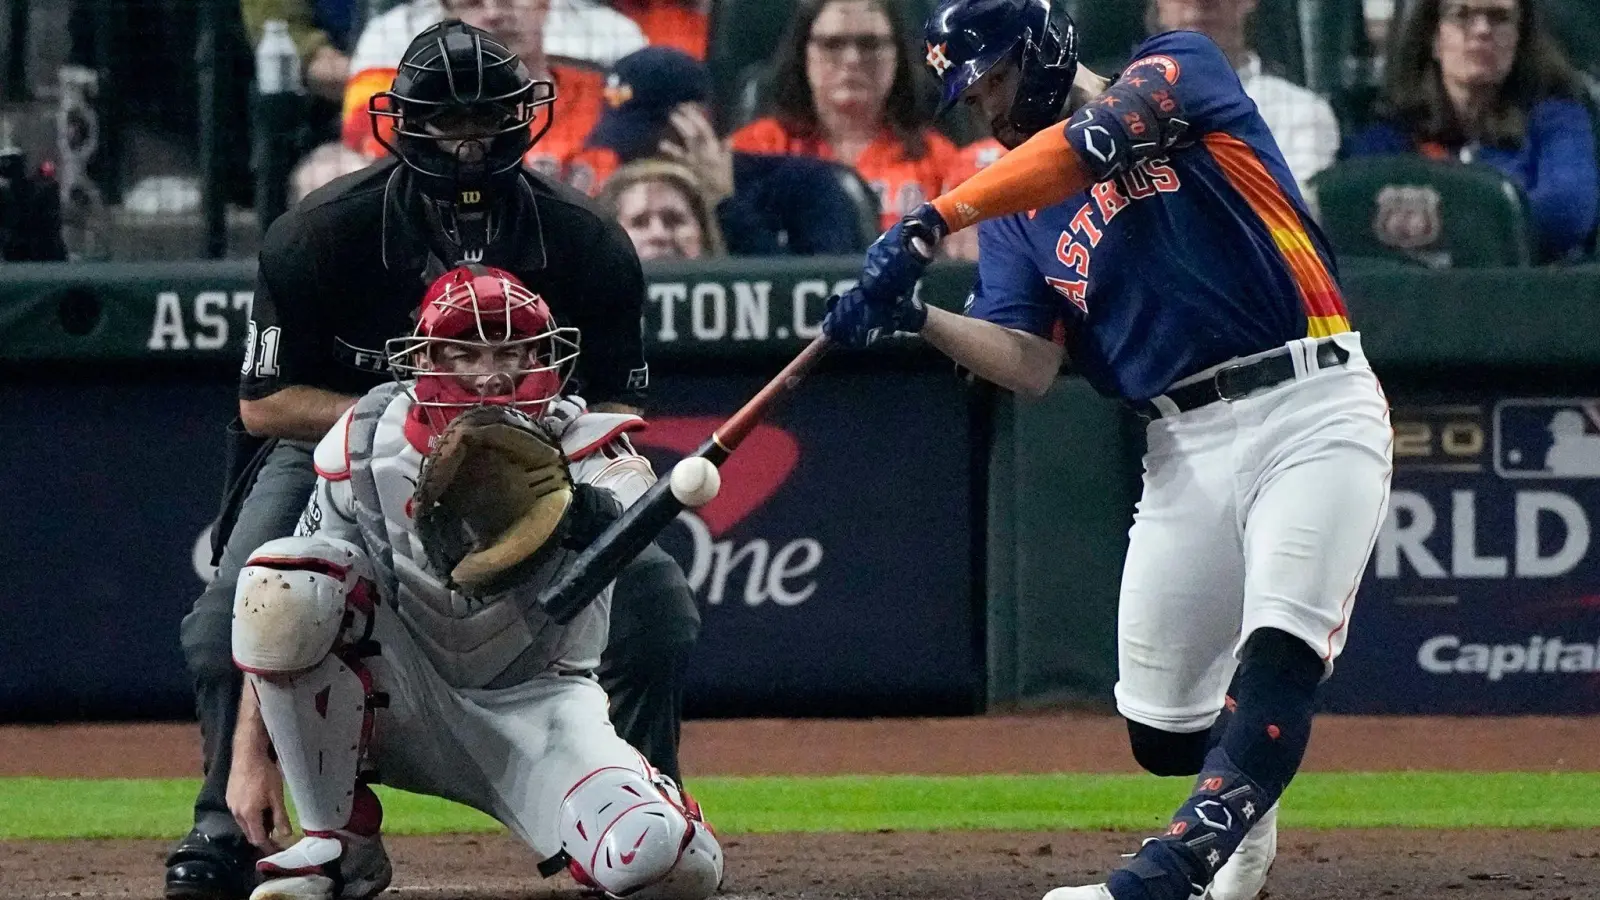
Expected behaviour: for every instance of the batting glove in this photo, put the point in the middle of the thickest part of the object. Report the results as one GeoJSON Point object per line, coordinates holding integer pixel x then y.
{"type": "Point", "coordinates": [897, 259]}
{"type": "Point", "coordinates": [854, 320]}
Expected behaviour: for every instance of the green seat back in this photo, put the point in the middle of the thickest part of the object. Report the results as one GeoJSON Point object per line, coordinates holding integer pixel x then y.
{"type": "Point", "coordinates": [1417, 210]}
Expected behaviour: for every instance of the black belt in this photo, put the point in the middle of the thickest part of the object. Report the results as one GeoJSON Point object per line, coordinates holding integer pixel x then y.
{"type": "Point", "coordinates": [1238, 381]}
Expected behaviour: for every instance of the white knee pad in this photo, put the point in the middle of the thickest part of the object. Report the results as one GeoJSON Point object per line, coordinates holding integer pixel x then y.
{"type": "Point", "coordinates": [639, 838]}
{"type": "Point", "coordinates": [290, 602]}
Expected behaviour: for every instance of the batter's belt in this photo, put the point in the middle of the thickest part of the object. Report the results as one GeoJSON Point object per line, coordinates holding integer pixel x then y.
{"type": "Point", "coordinates": [1239, 381]}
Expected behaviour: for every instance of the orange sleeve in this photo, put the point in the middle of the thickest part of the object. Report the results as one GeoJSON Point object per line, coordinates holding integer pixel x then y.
{"type": "Point", "coordinates": [355, 125]}
{"type": "Point", "coordinates": [1042, 172]}
{"type": "Point", "coordinates": [761, 136]}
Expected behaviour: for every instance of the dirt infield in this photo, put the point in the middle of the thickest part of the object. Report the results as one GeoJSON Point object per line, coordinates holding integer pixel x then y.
{"type": "Point", "coordinates": [1409, 865]}
{"type": "Point", "coordinates": [1352, 865]}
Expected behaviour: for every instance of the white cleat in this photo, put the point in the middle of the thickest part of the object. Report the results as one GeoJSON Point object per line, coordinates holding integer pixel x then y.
{"type": "Point", "coordinates": [1245, 873]}
{"type": "Point", "coordinates": [1086, 892]}
{"type": "Point", "coordinates": [307, 870]}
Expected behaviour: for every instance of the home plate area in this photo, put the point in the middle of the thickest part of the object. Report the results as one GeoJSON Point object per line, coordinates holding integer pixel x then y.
{"type": "Point", "coordinates": [1312, 865]}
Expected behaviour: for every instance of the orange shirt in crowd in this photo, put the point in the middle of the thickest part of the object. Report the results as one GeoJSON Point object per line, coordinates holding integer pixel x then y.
{"type": "Point", "coordinates": [902, 184]}
{"type": "Point", "coordinates": [971, 158]}
{"type": "Point", "coordinates": [580, 95]}
{"type": "Point", "coordinates": [669, 23]}
{"type": "Point", "coordinates": [589, 168]}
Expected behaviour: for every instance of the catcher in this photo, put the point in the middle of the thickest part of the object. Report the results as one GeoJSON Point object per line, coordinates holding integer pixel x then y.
{"type": "Point", "coordinates": [397, 635]}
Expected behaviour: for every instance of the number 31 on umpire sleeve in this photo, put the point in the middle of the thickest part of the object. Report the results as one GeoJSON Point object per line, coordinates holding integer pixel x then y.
{"type": "Point", "coordinates": [260, 351]}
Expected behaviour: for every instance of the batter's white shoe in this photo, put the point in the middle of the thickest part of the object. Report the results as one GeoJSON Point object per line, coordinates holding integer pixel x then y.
{"type": "Point", "coordinates": [1086, 892]}
{"type": "Point", "coordinates": [1245, 873]}
{"type": "Point", "coordinates": [347, 866]}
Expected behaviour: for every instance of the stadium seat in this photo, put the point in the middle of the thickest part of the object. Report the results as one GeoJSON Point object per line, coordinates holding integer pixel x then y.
{"type": "Point", "coordinates": [744, 33]}
{"type": "Point", "coordinates": [1576, 27]}
{"type": "Point", "coordinates": [1274, 31]}
{"type": "Point", "coordinates": [1108, 32]}
{"type": "Point", "coordinates": [1417, 210]}
{"type": "Point", "coordinates": [866, 201]}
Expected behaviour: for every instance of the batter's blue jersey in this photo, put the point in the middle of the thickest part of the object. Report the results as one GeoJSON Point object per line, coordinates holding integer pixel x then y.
{"type": "Point", "coordinates": [1195, 247]}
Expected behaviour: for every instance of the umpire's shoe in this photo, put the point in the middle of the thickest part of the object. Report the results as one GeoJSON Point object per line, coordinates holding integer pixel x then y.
{"type": "Point", "coordinates": [211, 868]}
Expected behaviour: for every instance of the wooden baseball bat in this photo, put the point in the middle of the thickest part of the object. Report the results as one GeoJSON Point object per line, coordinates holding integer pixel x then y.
{"type": "Point", "coordinates": [625, 538]}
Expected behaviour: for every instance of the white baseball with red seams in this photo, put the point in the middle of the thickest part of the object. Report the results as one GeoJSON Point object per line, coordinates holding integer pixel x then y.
{"type": "Point", "coordinates": [695, 481]}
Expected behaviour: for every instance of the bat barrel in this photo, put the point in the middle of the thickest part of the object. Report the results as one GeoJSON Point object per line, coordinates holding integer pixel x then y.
{"type": "Point", "coordinates": [627, 537]}
{"type": "Point", "coordinates": [598, 565]}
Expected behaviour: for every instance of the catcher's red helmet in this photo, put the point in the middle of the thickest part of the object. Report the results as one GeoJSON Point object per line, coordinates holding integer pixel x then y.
{"type": "Point", "coordinates": [465, 312]}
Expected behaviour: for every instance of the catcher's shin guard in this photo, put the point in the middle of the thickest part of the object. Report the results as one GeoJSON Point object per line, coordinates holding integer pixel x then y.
{"type": "Point", "coordinates": [301, 613]}
{"type": "Point", "coordinates": [640, 837]}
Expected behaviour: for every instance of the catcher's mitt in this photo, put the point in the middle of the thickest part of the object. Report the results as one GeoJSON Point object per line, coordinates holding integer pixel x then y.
{"type": "Point", "coordinates": [491, 500]}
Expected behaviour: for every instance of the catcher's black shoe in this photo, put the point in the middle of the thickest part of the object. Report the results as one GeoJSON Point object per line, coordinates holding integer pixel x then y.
{"type": "Point", "coordinates": [211, 868]}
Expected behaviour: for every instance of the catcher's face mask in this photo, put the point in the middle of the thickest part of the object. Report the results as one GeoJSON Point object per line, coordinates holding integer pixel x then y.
{"type": "Point", "coordinates": [483, 338]}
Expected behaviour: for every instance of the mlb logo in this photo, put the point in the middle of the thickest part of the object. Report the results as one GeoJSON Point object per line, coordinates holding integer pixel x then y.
{"type": "Point", "coordinates": [1547, 438]}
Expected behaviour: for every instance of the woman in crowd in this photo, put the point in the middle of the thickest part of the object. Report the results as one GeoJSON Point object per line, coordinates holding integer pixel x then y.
{"type": "Point", "coordinates": [657, 107]}
{"type": "Point", "coordinates": [1483, 81]}
{"type": "Point", "coordinates": [663, 209]}
{"type": "Point", "coordinates": [844, 88]}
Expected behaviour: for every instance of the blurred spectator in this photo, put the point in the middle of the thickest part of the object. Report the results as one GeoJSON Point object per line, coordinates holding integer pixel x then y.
{"type": "Point", "coordinates": [321, 31]}
{"type": "Point", "coordinates": [519, 24]}
{"type": "Point", "coordinates": [1377, 17]}
{"type": "Point", "coordinates": [133, 84]}
{"type": "Point", "coordinates": [844, 88]}
{"type": "Point", "coordinates": [680, 24]}
{"type": "Point", "coordinates": [664, 210]}
{"type": "Point", "coordinates": [1302, 123]}
{"type": "Point", "coordinates": [580, 30]}
{"type": "Point", "coordinates": [656, 110]}
{"type": "Point", "coordinates": [1482, 81]}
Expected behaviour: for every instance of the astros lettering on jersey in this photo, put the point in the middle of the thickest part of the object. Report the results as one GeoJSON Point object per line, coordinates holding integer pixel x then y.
{"type": "Point", "coordinates": [1194, 247]}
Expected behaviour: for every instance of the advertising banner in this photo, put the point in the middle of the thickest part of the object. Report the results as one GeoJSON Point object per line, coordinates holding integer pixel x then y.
{"type": "Point", "coordinates": [834, 573]}
{"type": "Point", "coordinates": [1483, 594]}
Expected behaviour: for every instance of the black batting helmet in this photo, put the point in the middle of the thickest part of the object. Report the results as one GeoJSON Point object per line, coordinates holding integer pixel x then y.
{"type": "Point", "coordinates": [458, 85]}
{"type": "Point", "coordinates": [967, 38]}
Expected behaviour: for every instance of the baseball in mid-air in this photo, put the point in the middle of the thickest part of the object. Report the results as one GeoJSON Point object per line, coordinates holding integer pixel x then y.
{"type": "Point", "coordinates": [695, 481]}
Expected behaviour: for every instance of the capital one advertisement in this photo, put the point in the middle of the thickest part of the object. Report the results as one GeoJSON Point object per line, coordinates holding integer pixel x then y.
{"type": "Point", "coordinates": [1483, 593]}
{"type": "Point", "coordinates": [834, 571]}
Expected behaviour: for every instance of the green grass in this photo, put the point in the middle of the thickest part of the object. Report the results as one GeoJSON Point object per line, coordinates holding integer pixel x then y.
{"type": "Point", "coordinates": [79, 808]}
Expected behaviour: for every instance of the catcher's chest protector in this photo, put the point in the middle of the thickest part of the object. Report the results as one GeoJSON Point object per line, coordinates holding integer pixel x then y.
{"type": "Point", "coordinates": [364, 488]}
{"type": "Point", "coordinates": [498, 641]}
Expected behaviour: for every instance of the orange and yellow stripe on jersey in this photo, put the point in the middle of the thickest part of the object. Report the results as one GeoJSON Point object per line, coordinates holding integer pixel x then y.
{"type": "Point", "coordinates": [1319, 295]}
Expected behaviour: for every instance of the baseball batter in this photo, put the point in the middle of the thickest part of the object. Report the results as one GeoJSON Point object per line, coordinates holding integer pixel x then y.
{"type": "Point", "coordinates": [367, 658]}
{"type": "Point", "coordinates": [1147, 227]}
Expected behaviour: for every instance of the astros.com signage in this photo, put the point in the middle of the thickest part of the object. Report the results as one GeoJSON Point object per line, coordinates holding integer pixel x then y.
{"type": "Point", "coordinates": [676, 311]}
{"type": "Point", "coordinates": [727, 307]}
{"type": "Point", "coordinates": [1483, 594]}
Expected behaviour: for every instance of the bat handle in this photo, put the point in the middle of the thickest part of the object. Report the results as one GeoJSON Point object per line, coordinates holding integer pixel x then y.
{"type": "Point", "coordinates": [739, 425]}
